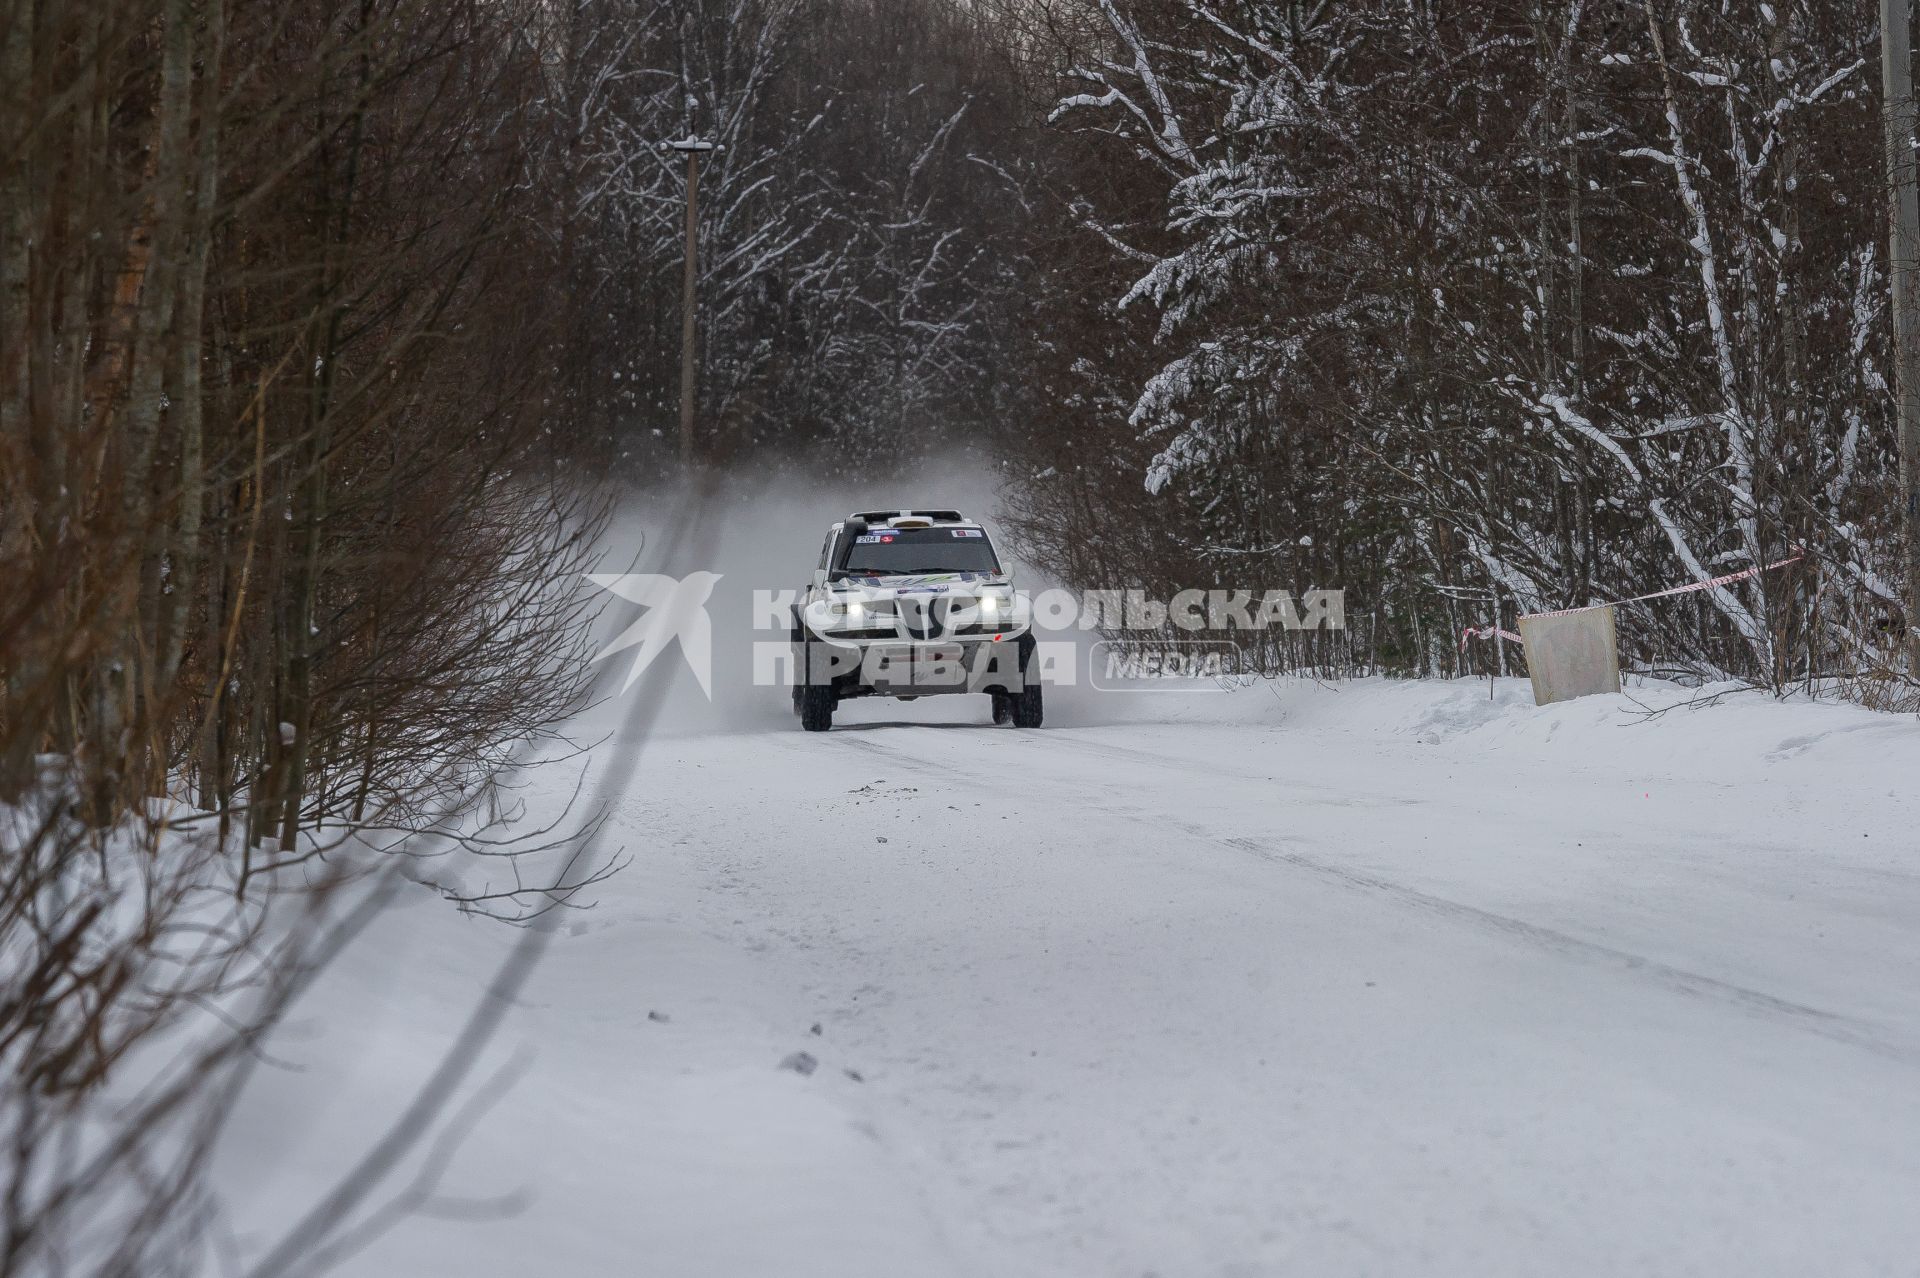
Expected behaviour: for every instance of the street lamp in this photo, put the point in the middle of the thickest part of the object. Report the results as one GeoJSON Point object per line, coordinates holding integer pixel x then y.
{"type": "Point", "coordinates": [693, 149]}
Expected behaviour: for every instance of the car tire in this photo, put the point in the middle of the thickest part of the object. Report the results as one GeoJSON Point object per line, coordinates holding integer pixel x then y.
{"type": "Point", "coordinates": [1028, 711]}
{"type": "Point", "coordinates": [1026, 704]}
{"type": "Point", "coordinates": [1002, 707]}
{"type": "Point", "coordinates": [816, 707]}
{"type": "Point", "coordinates": [798, 637]}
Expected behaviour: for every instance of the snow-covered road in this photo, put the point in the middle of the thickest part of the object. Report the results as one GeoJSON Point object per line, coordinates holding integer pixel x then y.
{"type": "Point", "coordinates": [1376, 979]}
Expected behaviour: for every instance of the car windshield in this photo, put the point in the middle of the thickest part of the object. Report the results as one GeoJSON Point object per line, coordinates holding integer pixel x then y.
{"type": "Point", "coordinates": [899, 552]}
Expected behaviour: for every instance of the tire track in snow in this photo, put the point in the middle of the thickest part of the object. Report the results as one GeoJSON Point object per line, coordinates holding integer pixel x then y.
{"type": "Point", "coordinates": [1829, 1025]}
{"type": "Point", "coordinates": [1207, 768]}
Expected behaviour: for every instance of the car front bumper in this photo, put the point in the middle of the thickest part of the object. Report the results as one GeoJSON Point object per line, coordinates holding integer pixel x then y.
{"type": "Point", "coordinates": [895, 666]}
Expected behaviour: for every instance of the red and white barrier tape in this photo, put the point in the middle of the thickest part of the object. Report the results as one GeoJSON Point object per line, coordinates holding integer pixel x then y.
{"type": "Point", "coordinates": [1488, 632]}
{"type": "Point", "coordinates": [1687, 589]}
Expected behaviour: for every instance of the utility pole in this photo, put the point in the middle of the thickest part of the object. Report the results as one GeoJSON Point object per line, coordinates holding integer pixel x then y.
{"type": "Point", "coordinates": [1896, 74]}
{"type": "Point", "coordinates": [693, 149]}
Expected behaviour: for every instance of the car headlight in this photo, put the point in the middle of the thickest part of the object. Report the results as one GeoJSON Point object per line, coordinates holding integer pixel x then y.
{"type": "Point", "coordinates": [996, 604]}
{"type": "Point", "coordinates": [859, 612]}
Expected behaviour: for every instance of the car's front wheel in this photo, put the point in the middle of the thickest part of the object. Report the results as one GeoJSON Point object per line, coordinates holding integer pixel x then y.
{"type": "Point", "coordinates": [797, 636]}
{"type": "Point", "coordinates": [1002, 707]}
{"type": "Point", "coordinates": [1026, 709]}
{"type": "Point", "coordinates": [816, 707]}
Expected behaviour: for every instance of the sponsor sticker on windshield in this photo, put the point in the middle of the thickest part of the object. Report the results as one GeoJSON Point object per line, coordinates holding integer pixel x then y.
{"type": "Point", "coordinates": [968, 532]}
{"type": "Point", "coordinates": [873, 539]}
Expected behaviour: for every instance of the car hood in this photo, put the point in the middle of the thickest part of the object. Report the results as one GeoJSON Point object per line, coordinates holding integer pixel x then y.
{"type": "Point", "coordinates": [929, 583]}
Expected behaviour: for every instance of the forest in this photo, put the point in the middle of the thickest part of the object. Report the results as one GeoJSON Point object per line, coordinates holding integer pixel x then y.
{"type": "Point", "coordinates": [329, 332]}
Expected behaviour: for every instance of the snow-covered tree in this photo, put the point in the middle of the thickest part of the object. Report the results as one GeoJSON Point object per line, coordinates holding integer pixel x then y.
{"type": "Point", "coordinates": [1494, 307]}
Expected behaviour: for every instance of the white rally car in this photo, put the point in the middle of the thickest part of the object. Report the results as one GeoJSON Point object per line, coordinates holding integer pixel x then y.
{"type": "Point", "coordinates": [912, 603]}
